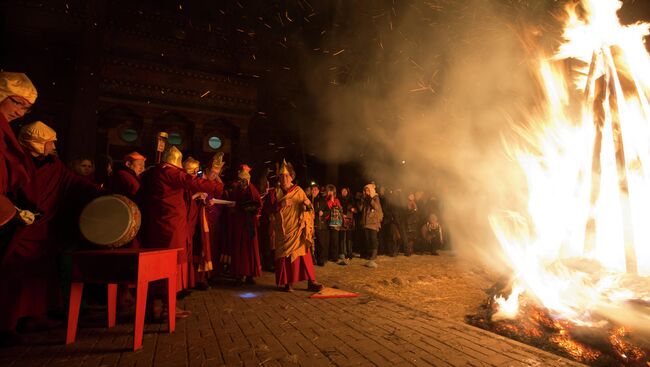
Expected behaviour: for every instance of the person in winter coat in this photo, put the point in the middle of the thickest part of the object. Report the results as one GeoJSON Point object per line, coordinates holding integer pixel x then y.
{"type": "Point", "coordinates": [371, 217]}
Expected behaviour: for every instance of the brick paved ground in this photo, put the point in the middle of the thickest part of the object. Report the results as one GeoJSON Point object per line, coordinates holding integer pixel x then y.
{"type": "Point", "coordinates": [260, 326]}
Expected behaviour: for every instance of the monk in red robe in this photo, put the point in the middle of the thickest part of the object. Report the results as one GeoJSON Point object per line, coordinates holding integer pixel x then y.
{"type": "Point", "coordinates": [201, 249]}
{"type": "Point", "coordinates": [244, 222]}
{"type": "Point", "coordinates": [195, 208]}
{"type": "Point", "coordinates": [28, 275]}
{"type": "Point", "coordinates": [17, 94]}
{"type": "Point", "coordinates": [125, 179]}
{"type": "Point", "coordinates": [217, 225]}
{"type": "Point", "coordinates": [292, 233]}
{"type": "Point", "coordinates": [163, 206]}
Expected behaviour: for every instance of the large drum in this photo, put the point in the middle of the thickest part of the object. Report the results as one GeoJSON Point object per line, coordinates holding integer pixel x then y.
{"type": "Point", "coordinates": [111, 221]}
{"type": "Point", "coordinates": [7, 210]}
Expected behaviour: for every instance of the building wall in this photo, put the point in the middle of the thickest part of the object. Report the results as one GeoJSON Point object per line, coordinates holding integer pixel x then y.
{"type": "Point", "coordinates": [112, 74]}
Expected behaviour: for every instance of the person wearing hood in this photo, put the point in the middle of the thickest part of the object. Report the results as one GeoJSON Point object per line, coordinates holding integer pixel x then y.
{"type": "Point", "coordinates": [244, 223]}
{"type": "Point", "coordinates": [292, 232]}
{"type": "Point", "coordinates": [29, 266]}
{"type": "Point", "coordinates": [164, 209]}
{"type": "Point", "coordinates": [194, 202]}
{"type": "Point", "coordinates": [199, 254]}
{"type": "Point", "coordinates": [125, 180]}
{"type": "Point", "coordinates": [371, 217]}
{"type": "Point", "coordinates": [17, 95]}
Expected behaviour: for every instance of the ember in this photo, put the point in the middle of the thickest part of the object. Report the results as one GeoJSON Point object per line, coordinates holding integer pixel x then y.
{"type": "Point", "coordinates": [605, 345]}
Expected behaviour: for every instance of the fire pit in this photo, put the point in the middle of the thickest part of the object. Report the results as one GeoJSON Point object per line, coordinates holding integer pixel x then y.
{"type": "Point", "coordinates": [604, 341]}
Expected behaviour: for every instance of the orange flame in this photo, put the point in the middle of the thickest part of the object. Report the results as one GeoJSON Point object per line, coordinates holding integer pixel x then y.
{"type": "Point", "coordinates": [583, 248]}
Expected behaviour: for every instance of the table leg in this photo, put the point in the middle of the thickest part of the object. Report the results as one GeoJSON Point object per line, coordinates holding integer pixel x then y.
{"type": "Point", "coordinates": [140, 310]}
{"type": "Point", "coordinates": [76, 289]}
{"type": "Point", "coordinates": [112, 304]}
{"type": "Point", "coordinates": [171, 301]}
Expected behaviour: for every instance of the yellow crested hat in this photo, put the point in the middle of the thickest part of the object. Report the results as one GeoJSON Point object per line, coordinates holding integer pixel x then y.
{"type": "Point", "coordinates": [35, 135]}
{"type": "Point", "coordinates": [284, 168]}
{"type": "Point", "coordinates": [173, 156]}
{"type": "Point", "coordinates": [17, 84]}
{"type": "Point", "coordinates": [191, 165]}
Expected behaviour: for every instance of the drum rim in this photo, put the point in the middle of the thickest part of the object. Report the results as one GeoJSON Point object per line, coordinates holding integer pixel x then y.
{"type": "Point", "coordinates": [119, 241]}
{"type": "Point", "coordinates": [9, 208]}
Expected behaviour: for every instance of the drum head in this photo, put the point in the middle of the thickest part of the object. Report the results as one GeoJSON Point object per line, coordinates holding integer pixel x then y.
{"type": "Point", "coordinates": [7, 210]}
{"type": "Point", "coordinates": [105, 220]}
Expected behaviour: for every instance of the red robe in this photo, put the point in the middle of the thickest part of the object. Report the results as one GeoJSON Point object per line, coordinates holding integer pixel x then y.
{"type": "Point", "coordinates": [244, 222]}
{"type": "Point", "coordinates": [216, 222]}
{"type": "Point", "coordinates": [302, 266]}
{"type": "Point", "coordinates": [123, 181]}
{"type": "Point", "coordinates": [199, 247]}
{"type": "Point", "coordinates": [15, 168]}
{"type": "Point", "coordinates": [164, 209]}
{"type": "Point", "coordinates": [192, 219]}
{"type": "Point", "coordinates": [28, 272]}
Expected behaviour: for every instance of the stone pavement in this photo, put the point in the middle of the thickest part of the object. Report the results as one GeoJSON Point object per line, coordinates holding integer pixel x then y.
{"type": "Point", "coordinates": [261, 326]}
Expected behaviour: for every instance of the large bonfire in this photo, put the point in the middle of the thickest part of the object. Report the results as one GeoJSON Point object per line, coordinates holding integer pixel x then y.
{"type": "Point", "coordinates": [581, 253]}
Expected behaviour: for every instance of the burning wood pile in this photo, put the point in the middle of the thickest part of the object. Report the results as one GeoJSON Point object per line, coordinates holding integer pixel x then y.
{"type": "Point", "coordinates": [604, 341]}
{"type": "Point", "coordinates": [581, 254]}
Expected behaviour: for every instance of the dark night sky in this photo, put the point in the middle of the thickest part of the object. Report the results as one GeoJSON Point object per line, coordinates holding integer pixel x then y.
{"type": "Point", "coordinates": [304, 55]}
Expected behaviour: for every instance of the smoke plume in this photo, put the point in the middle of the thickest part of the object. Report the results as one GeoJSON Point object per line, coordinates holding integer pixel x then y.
{"type": "Point", "coordinates": [422, 95]}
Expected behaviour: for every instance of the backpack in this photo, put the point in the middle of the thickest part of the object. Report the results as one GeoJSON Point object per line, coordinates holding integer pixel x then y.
{"type": "Point", "coordinates": [336, 217]}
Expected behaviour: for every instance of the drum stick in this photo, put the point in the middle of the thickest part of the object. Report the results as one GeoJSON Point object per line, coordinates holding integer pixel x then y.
{"type": "Point", "coordinates": [37, 214]}
{"type": "Point", "coordinates": [222, 202]}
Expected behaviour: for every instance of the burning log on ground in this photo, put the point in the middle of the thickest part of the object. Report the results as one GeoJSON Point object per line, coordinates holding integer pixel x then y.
{"type": "Point", "coordinates": [603, 343]}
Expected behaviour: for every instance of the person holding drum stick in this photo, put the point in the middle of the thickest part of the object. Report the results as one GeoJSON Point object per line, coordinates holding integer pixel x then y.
{"type": "Point", "coordinates": [164, 210]}
{"type": "Point", "coordinates": [125, 180]}
{"type": "Point", "coordinates": [17, 95]}
{"type": "Point", "coordinates": [29, 267]}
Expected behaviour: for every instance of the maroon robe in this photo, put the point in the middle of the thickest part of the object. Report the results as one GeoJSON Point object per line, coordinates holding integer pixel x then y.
{"type": "Point", "coordinates": [244, 222]}
{"type": "Point", "coordinates": [15, 168]}
{"type": "Point", "coordinates": [287, 272]}
{"type": "Point", "coordinates": [216, 222]}
{"type": "Point", "coordinates": [202, 252]}
{"type": "Point", "coordinates": [123, 181]}
{"type": "Point", "coordinates": [192, 219]}
{"type": "Point", "coordinates": [28, 272]}
{"type": "Point", "coordinates": [164, 210]}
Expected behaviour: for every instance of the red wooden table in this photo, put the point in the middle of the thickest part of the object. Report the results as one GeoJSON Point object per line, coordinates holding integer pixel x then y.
{"type": "Point", "coordinates": [123, 266]}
